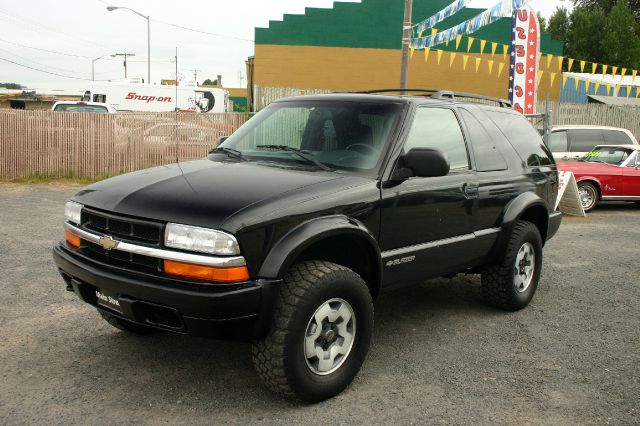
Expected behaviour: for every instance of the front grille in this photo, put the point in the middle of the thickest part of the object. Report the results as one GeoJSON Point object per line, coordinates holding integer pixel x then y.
{"type": "Point", "coordinates": [121, 228]}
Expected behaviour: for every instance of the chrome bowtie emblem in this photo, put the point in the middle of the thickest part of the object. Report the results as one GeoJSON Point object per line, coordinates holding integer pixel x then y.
{"type": "Point", "coordinates": [108, 243]}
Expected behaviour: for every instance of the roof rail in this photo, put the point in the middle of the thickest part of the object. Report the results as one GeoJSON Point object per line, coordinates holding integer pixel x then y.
{"type": "Point", "coordinates": [441, 94]}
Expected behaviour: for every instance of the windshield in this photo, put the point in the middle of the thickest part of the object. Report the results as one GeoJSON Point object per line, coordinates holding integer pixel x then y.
{"type": "Point", "coordinates": [80, 108]}
{"type": "Point", "coordinates": [338, 135]}
{"type": "Point", "coordinates": [608, 155]}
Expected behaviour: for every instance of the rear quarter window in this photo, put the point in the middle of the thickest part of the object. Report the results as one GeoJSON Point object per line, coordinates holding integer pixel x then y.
{"type": "Point", "coordinates": [616, 137]}
{"type": "Point", "coordinates": [522, 136]}
{"type": "Point", "coordinates": [487, 154]}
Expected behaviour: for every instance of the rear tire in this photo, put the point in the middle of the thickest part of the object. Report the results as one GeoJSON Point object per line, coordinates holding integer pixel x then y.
{"type": "Point", "coordinates": [511, 284]}
{"type": "Point", "coordinates": [322, 326]}
{"type": "Point", "coordinates": [125, 325]}
{"type": "Point", "coordinates": [589, 195]}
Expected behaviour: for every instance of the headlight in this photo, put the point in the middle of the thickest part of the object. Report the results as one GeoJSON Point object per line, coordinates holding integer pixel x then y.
{"type": "Point", "coordinates": [72, 212]}
{"type": "Point", "coordinates": [202, 240]}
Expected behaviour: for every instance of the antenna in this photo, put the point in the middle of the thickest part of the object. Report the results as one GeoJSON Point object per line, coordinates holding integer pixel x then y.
{"type": "Point", "coordinates": [176, 108]}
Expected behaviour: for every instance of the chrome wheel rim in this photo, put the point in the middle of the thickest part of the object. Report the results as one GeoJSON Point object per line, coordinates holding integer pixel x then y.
{"type": "Point", "coordinates": [524, 267]}
{"type": "Point", "coordinates": [329, 336]}
{"type": "Point", "coordinates": [586, 197]}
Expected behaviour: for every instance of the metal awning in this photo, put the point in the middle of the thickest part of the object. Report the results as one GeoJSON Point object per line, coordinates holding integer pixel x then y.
{"type": "Point", "coordinates": [613, 100]}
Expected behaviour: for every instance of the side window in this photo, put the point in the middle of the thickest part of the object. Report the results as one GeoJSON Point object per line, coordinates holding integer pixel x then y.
{"type": "Point", "coordinates": [438, 128]}
{"type": "Point", "coordinates": [584, 140]}
{"type": "Point", "coordinates": [522, 136]}
{"type": "Point", "coordinates": [558, 141]}
{"type": "Point", "coordinates": [616, 137]}
{"type": "Point", "coordinates": [487, 155]}
{"type": "Point", "coordinates": [100, 98]}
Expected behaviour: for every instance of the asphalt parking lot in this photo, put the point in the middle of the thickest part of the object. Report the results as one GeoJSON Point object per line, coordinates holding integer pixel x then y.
{"type": "Point", "coordinates": [438, 354]}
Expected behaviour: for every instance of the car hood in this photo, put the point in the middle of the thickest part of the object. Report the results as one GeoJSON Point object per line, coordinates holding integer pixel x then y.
{"type": "Point", "coordinates": [201, 193]}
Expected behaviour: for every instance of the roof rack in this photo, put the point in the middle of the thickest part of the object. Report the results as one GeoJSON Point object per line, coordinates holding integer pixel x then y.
{"type": "Point", "coordinates": [443, 94]}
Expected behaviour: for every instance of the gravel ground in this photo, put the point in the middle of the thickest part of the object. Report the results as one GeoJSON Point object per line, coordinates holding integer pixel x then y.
{"type": "Point", "coordinates": [438, 354]}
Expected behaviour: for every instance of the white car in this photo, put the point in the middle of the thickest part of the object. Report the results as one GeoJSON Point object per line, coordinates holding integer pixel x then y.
{"type": "Point", "coordinates": [574, 142]}
{"type": "Point", "coordinates": [79, 106]}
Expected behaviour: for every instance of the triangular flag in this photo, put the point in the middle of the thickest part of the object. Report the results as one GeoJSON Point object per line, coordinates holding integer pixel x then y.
{"type": "Point", "coordinates": [411, 55]}
{"type": "Point", "coordinates": [500, 68]}
{"type": "Point", "coordinates": [614, 70]}
{"type": "Point", "coordinates": [623, 71]}
{"type": "Point", "coordinates": [426, 53]}
{"type": "Point", "coordinates": [608, 86]}
{"type": "Point", "coordinates": [582, 63]}
{"type": "Point", "coordinates": [604, 69]}
{"type": "Point", "coordinates": [560, 60]}
{"type": "Point", "coordinates": [564, 80]}
{"type": "Point", "coordinates": [494, 46]}
{"type": "Point", "coordinates": [570, 64]}
{"type": "Point", "coordinates": [597, 88]}
{"type": "Point", "coordinates": [505, 51]}
{"type": "Point", "coordinates": [434, 31]}
{"type": "Point", "coordinates": [458, 38]}
{"type": "Point", "coordinates": [452, 57]}
{"type": "Point", "coordinates": [552, 78]}
{"type": "Point", "coordinates": [594, 67]}
{"type": "Point", "coordinates": [617, 91]}
{"type": "Point", "coordinates": [637, 92]}
{"type": "Point", "coordinates": [628, 90]}
{"type": "Point", "coordinates": [490, 62]}
{"type": "Point", "coordinates": [478, 60]}
{"type": "Point", "coordinates": [540, 76]}
{"type": "Point", "coordinates": [470, 43]}
{"type": "Point", "coordinates": [587, 83]}
{"type": "Point", "coordinates": [439, 55]}
{"type": "Point", "coordinates": [634, 73]}
{"type": "Point", "coordinates": [483, 43]}
{"type": "Point", "coordinates": [465, 59]}
{"type": "Point", "coordinates": [549, 58]}
{"type": "Point", "coordinates": [576, 83]}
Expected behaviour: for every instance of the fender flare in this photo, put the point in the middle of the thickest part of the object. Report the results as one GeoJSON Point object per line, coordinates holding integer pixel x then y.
{"type": "Point", "coordinates": [590, 178]}
{"type": "Point", "coordinates": [512, 213]}
{"type": "Point", "coordinates": [293, 243]}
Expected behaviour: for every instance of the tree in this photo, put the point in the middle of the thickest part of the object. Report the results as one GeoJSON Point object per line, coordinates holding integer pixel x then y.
{"type": "Point", "coordinates": [542, 22]}
{"type": "Point", "coordinates": [621, 37]}
{"type": "Point", "coordinates": [558, 25]}
{"type": "Point", "coordinates": [584, 37]}
{"type": "Point", "coordinates": [12, 86]}
{"type": "Point", "coordinates": [209, 82]}
{"type": "Point", "coordinates": [607, 5]}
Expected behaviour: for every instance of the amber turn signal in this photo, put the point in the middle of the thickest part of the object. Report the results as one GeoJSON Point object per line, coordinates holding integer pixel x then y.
{"type": "Point", "coordinates": [72, 239]}
{"type": "Point", "coordinates": [206, 273]}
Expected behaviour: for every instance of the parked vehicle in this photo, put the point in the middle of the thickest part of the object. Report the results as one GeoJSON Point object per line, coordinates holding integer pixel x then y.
{"type": "Point", "coordinates": [125, 96]}
{"type": "Point", "coordinates": [607, 173]}
{"type": "Point", "coordinates": [291, 228]}
{"type": "Point", "coordinates": [574, 142]}
{"type": "Point", "coordinates": [74, 106]}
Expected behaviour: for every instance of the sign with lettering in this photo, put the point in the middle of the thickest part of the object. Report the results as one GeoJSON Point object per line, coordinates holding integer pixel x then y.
{"type": "Point", "coordinates": [525, 60]}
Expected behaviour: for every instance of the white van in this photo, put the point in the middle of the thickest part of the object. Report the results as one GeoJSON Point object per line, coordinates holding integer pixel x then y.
{"type": "Point", "coordinates": [573, 142]}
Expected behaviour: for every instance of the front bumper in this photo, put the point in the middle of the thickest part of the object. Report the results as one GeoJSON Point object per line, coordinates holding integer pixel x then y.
{"type": "Point", "coordinates": [238, 311]}
{"type": "Point", "coordinates": [555, 219]}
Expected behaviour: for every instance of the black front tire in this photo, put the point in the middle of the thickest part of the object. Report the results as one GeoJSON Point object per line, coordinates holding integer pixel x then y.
{"type": "Point", "coordinates": [280, 358]}
{"type": "Point", "coordinates": [125, 325]}
{"type": "Point", "coordinates": [501, 287]}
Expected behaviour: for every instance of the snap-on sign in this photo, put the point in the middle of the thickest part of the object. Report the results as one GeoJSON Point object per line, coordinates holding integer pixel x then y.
{"type": "Point", "coordinates": [136, 97]}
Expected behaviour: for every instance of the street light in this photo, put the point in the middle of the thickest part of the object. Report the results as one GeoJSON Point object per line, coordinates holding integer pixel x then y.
{"type": "Point", "coordinates": [93, 61]}
{"type": "Point", "coordinates": [112, 8]}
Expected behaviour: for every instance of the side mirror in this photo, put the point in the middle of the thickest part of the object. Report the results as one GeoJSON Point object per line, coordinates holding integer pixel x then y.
{"type": "Point", "coordinates": [423, 162]}
{"type": "Point", "coordinates": [222, 139]}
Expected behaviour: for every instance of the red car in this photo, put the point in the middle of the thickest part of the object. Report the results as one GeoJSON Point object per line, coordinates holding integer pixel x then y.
{"type": "Point", "coordinates": [607, 173]}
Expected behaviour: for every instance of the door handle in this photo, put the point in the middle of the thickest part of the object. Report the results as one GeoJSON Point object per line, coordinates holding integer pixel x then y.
{"type": "Point", "coordinates": [471, 189]}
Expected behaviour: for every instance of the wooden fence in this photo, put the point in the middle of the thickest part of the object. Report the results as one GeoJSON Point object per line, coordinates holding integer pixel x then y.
{"type": "Point", "coordinates": [59, 144]}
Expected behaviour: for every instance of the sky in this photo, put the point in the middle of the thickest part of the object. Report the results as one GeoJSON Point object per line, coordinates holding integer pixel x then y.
{"type": "Point", "coordinates": [63, 37]}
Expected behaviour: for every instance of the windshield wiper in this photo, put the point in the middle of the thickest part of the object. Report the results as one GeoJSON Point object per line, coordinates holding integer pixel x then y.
{"type": "Point", "coordinates": [230, 152]}
{"type": "Point", "coordinates": [308, 157]}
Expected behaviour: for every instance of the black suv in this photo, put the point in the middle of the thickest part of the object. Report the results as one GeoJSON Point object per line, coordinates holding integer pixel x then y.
{"type": "Point", "coordinates": [289, 230]}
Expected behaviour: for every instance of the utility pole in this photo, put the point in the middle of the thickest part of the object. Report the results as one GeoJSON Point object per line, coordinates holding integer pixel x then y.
{"type": "Point", "coordinates": [125, 55]}
{"type": "Point", "coordinates": [240, 77]}
{"type": "Point", "coordinates": [406, 40]}
{"type": "Point", "coordinates": [195, 75]}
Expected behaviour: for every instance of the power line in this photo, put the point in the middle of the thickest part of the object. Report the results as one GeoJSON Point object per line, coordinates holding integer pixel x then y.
{"type": "Point", "coordinates": [41, 64]}
{"type": "Point", "coordinates": [202, 32]}
{"type": "Point", "coordinates": [44, 71]}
